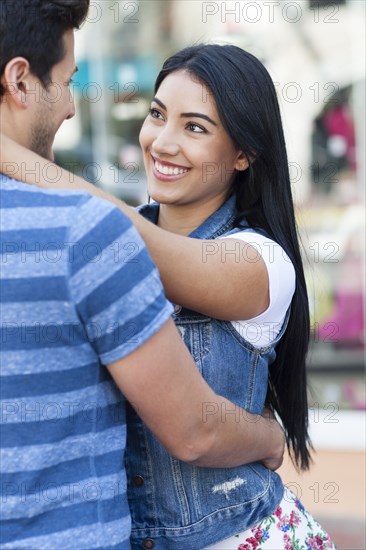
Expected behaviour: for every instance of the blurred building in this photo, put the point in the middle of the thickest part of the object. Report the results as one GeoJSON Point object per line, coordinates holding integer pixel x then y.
{"type": "Point", "coordinates": [315, 53]}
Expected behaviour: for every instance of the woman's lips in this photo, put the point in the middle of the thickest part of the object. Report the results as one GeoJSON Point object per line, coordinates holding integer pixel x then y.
{"type": "Point", "coordinates": [167, 172]}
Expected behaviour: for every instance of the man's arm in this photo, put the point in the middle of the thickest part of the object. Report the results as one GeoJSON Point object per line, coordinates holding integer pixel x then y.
{"type": "Point", "coordinates": [164, 386]}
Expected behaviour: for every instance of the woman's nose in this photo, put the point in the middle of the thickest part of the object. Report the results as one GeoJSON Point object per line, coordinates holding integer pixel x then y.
{"type": "Point", "coordinates": [165, 142]}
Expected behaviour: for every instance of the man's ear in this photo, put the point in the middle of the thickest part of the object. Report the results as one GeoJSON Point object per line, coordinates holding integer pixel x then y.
{"type": "Point", "coordinates": [15, 81]}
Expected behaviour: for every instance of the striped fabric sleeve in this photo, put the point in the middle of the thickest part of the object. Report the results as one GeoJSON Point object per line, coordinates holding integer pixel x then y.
{"type": "Point", "coordinates": [113, 282]}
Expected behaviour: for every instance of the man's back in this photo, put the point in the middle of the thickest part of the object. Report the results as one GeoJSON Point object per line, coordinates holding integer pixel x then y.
{"type": "Point", "coordinates": [77, 289]}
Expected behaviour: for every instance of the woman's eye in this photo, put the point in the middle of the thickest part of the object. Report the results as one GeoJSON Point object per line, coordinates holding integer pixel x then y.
{"type": "Point", "coordinates": [192, 127]}
{"type": "Point", "coordinates": [155, 113]}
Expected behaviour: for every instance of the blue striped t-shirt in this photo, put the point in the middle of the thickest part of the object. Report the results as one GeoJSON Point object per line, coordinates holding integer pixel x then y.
{"type": "Point", "coordinates": [78, 291]}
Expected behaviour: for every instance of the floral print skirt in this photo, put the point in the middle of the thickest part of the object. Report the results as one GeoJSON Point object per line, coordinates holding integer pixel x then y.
{"type": "Point", "coordinates": [290, 527]}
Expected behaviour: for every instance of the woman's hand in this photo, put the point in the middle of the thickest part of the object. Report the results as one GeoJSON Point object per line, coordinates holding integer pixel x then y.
{"type": "Point", "coordinates": [274, 461]}
{"type": "Point", "coordinates": [11, 155]}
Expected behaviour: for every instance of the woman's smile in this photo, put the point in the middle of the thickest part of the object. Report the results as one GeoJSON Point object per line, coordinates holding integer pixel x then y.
{"type": "Point", "coordinates": [167, 171]}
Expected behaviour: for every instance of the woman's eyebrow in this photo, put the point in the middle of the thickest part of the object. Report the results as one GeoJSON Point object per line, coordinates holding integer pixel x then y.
{"type": "Point", "coordinates": [160, 103]}
{"type": "Point", "coordinates": [199, 115]}
{"type": "Point", "coordinates": [186, 115]}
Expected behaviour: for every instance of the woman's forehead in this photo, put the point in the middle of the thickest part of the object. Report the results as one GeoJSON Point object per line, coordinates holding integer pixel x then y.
{"type": "Point", "coordinates": [183, 87]}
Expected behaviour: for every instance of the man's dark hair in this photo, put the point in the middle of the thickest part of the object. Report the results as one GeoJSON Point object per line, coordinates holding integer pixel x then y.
{"type": "Point", "coordinates": [34, 29]}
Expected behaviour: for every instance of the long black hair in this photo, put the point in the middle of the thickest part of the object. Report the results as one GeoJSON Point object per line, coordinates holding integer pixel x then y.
{"type": "Point", "coordinates": [248, 109]}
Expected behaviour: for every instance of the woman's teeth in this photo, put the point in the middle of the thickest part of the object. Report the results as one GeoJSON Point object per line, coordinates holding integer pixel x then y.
{"type": "Point", "coordinates": [169, 170]}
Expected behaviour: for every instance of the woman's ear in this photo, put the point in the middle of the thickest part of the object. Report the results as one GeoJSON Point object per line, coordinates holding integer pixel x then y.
{"type": "Point", "coordinates": [15, 81]}
{"type": "Point", "coordinates": [242, 162]}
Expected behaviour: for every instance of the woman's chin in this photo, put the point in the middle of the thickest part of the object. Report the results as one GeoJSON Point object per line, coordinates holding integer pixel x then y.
{"type": "Point", "coordinates": [158, 195]}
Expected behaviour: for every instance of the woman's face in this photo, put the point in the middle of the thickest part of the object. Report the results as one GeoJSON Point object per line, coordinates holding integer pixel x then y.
{"type": "Point", "coordinates": [189, 157]}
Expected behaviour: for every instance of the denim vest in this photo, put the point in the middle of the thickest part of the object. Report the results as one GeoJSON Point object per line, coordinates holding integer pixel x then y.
{"type": "Point", "coordinates": [177, 506]}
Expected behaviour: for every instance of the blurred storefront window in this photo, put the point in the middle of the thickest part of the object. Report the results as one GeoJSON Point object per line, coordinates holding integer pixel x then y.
{"type": "Point", "coordinates": [335, 234]}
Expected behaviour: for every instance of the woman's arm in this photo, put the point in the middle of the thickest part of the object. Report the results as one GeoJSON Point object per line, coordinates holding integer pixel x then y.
{"type": "Point", "coordinates": [195, 425]}
{"type": "Point", "coordinates": [224, 279]}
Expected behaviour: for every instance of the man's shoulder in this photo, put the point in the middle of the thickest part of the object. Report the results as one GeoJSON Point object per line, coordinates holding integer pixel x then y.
{"type": "Point", "coordinates": [33, 193]}
{"type": "Point", "coordinates": [40, 208]}
{"type": "Point", "coordinates": [17, 194]}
